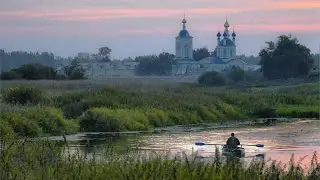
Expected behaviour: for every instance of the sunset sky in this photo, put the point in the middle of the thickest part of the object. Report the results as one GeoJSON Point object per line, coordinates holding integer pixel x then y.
{"type": "Point", "coordinates": [140, 27]}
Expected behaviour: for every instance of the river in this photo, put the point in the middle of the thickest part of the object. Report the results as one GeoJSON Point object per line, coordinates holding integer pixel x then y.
{"type": "Point", "coordinates": [280, 141]}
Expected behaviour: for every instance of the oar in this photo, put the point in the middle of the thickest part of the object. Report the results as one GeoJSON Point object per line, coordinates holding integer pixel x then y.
{"type": "Point", "coordinates": [203, 144]}
{"type": "Point", "coordinates": [257, 156]}
{"type": "Point", "coordinates": [256, 145]}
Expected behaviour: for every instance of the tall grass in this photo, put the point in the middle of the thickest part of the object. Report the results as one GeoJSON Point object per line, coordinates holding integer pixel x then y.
{"type": "Point", "coordinates": [48, 160]}
{"type": "Point", "coordinates": [118, 108]}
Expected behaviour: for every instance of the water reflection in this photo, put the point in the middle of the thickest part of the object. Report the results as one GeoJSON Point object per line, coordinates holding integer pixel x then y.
{"type": "Point", "coordinates": [281, 141]}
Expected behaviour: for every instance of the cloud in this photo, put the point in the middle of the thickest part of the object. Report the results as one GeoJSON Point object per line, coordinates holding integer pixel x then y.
{"type": "Point", "coordinates": [96, 14]}
{"type": "Point", "coordinates": [244, 28]}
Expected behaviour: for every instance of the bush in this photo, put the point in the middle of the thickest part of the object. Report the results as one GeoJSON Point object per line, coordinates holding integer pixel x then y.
{"type": "Point", "coordinates": [10, 75]}
{"type": "Point", "coordinates": [75, 109]}
{"type": "Point", "coordinates": [212, 79]}
{"type": "Point", "coordinates": [93, 121]}
{"type": "Point", "coordinates": [253, 76]}
{"type": "Point", "coordinates": [22, 95]}
{"type": "Point", "coordinates": [19, 124]}
{"type": "Point", "coordinates": [235, 73]}
{"type": "Point", "coordinates": [264, 111]}
{"type": "Point", "coordinates": [301, 111]}
{"type": "Point", "coordinates": [104, 119]}
{"type": "Point", "coordinates": [158, 118]}
{"type": "Point", "coordinates": [50, 120]}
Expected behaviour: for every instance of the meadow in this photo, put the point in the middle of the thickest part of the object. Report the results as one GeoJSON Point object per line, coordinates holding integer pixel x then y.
{"type": "Point", "coordinates": [40, 108]}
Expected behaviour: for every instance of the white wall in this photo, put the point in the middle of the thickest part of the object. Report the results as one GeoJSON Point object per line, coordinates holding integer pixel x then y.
{"type": "Point", "coordinates": [184, 48]}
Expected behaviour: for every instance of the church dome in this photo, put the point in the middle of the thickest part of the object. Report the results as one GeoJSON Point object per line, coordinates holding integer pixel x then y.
{"type": "Point", "coordinates": [225, 34]}
{"type": "Point", "coordinates": [226, 24]}
{"type": "Point", "coordinates": [234, 34]}
{"type": "Point", "coordinates": [184, 33]}
{"type": "Point", "coordinates": [219, 34]}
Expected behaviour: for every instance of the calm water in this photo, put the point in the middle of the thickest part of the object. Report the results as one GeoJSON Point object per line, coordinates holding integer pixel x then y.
{"type": "Point", "coordinates": [301, 138]}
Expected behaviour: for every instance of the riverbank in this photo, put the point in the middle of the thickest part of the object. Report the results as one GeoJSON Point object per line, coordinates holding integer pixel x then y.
{"type": "Point", "coordinates": [112, 108]}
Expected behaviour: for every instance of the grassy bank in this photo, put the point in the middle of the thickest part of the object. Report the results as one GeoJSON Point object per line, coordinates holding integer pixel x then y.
{"type": "Point", "coordinates": [46, 160]}
{"type": "Point", "coordinates": [123, 107]}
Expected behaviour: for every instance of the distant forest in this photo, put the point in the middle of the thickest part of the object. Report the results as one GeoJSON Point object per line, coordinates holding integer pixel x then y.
{"type": "Point", "coordinates": [15, 59]}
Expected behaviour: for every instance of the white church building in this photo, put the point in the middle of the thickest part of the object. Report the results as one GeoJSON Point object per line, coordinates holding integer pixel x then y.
{"type": "Point", "coordinates": [224, 55]}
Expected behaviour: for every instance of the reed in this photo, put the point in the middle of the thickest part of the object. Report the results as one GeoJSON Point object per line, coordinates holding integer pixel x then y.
{"type": "Point", "coordinates": [48, 160]}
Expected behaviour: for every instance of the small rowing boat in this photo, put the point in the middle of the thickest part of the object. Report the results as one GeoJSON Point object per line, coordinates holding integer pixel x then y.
{"type": "Point", "coordinates": [238, 152]}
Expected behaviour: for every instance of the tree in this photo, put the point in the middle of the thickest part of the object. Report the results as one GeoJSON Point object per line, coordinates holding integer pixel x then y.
{"type": "Point", "coordinates": [105, 53]}
{"type": "Point", "coordinates": [155, 65]}
{"type": "Point", "coordinates": [212, 78]}
{"type": "Point", "coordinates": [15, 59]}
{"type": "Point", "coordinates": [74, 70]}
{"type": "Point", "coordinates": [201, 53]}
{"type": "Point", "coordinates": [235, 73]}
{"type": "Point", "coordinates": [35, 72]}
{"type": "Point", "coordinates": [10, 75]}
{"type": "Point", "coordinates": [285, 58]}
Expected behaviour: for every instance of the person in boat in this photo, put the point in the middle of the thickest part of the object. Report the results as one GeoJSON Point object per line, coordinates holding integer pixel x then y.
{"type": "Point", "coordinates": [233, 142]}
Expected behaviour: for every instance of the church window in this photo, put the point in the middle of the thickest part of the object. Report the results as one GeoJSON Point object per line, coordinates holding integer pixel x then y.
{"type": "Point", "coordinates": [224, 52]}
{"type": "Point", "coordinates": [186, 51]}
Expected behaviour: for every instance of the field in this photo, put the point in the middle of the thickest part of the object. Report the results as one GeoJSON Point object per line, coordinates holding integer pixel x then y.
{"type": "Point", "coordinates": [63, 107]}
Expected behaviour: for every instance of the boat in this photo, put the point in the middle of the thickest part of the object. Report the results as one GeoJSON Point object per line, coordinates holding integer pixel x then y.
{"type": "Point", "coordinates": [238, 152]}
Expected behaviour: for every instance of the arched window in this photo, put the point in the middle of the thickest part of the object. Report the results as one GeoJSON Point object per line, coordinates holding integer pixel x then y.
{"type": "Point", "coordinates": [186, 50]}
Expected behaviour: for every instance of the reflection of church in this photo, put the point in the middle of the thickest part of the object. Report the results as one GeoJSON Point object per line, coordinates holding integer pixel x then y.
{"type": "Point", "coordinates": [224, 55]}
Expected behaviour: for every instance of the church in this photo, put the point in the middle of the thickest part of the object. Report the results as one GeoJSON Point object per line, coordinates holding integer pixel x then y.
{"type": "Point", "coordinates": [224, 55]}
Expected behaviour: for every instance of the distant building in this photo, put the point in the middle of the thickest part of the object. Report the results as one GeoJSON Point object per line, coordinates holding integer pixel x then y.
{"type": "Point", "coordinates": [224, 54]}
{"type": "Point", "coordinates": [102, 70]}
{"type": "Point", "coordinates": [186, 64]}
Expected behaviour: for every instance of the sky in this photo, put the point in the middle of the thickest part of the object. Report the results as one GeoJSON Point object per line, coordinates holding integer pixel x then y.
{"type": "Point", "coordinates": [142, 27]}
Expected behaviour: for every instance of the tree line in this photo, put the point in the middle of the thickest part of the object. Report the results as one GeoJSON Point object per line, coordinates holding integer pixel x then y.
{"type": "Point", "coordinates": [285, 58]}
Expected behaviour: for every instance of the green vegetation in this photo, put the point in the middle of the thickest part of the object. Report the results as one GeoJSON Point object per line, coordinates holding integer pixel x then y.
{"type": "Point", "coordinates": [74, 71]}
{"type": "Point", "coordinates": [235, 73]}
{"type": "Point", "coordinates": [36, 121]}
{"type": "Point", "coordinates": [285, 58]}
{"type": "Point", "coordinates": [38, 71]}
{"type": "Point", "coordinates": [126, 108]}
{"type": "Point", "coordinates": [159, 65]}
{"type": "Point", "coordinates": [49, 160]}
{"type": "Point", "coordinates": [22, 95]}
{"type": "Point", "coordinates": [31, 72]}
{"type": "Point", "coordinates": [212, 79]}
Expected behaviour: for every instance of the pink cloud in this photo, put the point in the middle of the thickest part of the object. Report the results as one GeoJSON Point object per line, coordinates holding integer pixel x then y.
{"type": "Point", "coordinates": [279, 27]}
{"type": "Point", "coordinates": [101, 14]}
{"type": "Point", "coordinates": [252, 28]}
